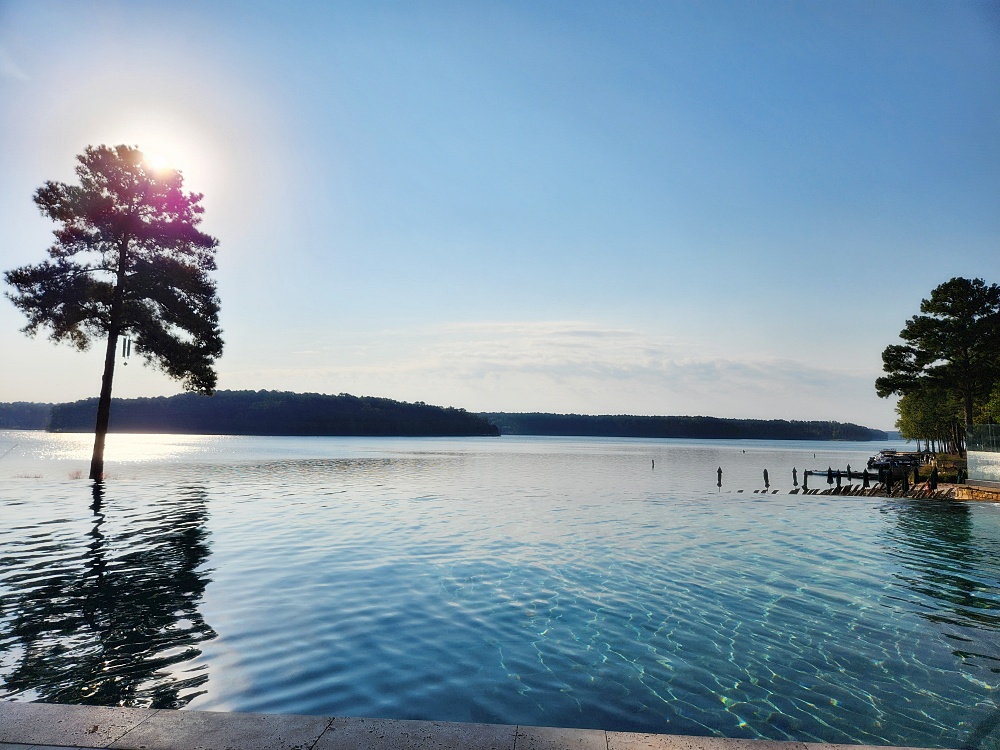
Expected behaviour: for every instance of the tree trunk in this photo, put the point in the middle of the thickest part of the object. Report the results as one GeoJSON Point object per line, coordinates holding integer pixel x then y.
{"type": "Point", "coordinates": [104, 402]}
{"type": "Point", "coordinates": [104, 408]}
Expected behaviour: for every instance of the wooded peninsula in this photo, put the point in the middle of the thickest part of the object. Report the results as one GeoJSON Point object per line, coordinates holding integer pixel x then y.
{"type": "Point", "coordinates": [253, 413]}
{"type": "Point", "coordinates": [284, 413]}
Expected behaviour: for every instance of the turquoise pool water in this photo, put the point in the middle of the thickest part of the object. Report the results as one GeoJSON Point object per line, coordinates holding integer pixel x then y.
{"type": "Point", "coordinates": [551, 582]}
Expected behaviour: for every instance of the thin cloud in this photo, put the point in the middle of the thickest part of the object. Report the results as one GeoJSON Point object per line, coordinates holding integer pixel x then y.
{"type": "Point", "coordinates": [10, 69]}
{"type": "Point", "coordinates": [580, 367]}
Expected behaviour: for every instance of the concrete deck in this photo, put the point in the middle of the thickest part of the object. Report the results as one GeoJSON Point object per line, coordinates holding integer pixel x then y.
{"type": "Point", "coordinates": [50, 727]}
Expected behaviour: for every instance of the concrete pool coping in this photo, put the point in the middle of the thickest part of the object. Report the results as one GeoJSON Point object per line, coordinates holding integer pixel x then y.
{"type": "Point", "coordinates": [41, 726]}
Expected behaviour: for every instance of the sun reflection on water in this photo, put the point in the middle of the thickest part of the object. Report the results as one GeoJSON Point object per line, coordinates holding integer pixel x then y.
{"type": "Point", "coordinates": [57, 455]}
{"type": "Point", "coordinates": [125, 448]}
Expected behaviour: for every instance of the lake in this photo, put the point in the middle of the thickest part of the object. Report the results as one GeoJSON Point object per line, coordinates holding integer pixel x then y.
{"type": "Point", "coordinates": [546, 581]}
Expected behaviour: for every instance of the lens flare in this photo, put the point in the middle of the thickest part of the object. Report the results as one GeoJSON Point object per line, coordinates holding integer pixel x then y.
{"type": "Point", "coordinates": [158, 162]}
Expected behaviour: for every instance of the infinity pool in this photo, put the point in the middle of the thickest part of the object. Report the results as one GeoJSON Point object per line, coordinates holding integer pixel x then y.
{"type": "Point", "coordinates": [547, 582]}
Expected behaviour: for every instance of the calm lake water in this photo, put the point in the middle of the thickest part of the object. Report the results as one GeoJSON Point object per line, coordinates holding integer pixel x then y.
{"type": "Point", "coordinates": [546, 581]}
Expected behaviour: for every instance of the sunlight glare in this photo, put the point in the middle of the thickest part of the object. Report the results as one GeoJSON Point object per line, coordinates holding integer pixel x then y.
{"type": "Point", "coordinates": [158, 162]}
{"type": "Point", "coordinates": [170, 139]}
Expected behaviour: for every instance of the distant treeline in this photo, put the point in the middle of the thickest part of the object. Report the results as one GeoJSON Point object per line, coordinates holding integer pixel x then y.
{"type": "Point", "coordinates": [282, 413]}
{"type": "Point", "coordinates": [264, 413]}
{"type": "Point", "coordinates": [707, 428]}
{"type": "Point", "coordinates": [24, 415]}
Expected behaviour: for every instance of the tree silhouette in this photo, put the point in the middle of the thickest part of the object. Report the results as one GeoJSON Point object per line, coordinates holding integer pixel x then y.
{"type": "Point", "coordinates": [953, 346]}
{"type": "Point", "coordinates": [128, 260]}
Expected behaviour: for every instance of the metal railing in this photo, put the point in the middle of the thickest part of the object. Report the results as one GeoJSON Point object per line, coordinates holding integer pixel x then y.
{"type": "Point", "coordinates": [982, 442]}
{"type": "Point", "coordinates": [983, 438]}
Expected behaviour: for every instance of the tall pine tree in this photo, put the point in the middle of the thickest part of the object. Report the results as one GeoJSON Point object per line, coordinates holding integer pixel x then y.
{"type": "Point", "coordinates": [953, 347]}
{"type": "Point", "coordinates": [128, 261]}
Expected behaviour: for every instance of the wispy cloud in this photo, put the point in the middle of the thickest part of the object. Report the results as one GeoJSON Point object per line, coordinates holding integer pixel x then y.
{"type": "Point", "coordinates": [9, 68]}
{"type": "Point", "coordinates": [567, 366]}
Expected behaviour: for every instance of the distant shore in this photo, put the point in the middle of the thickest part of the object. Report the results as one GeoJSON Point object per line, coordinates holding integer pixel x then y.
{"type": "Point", "coordinates": [283, 413]}
{"type": "Point", "coordinates": [694, 428]}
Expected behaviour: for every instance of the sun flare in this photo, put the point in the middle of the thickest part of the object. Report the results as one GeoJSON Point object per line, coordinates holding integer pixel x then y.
{"type": "Point", "coordinates": [171, 139]}
{"type": "Point", "coordinates": [158, 162]}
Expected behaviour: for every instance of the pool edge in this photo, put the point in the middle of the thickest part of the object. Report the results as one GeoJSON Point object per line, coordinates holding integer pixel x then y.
{"type": "Point", "coordinates": [46, 725]}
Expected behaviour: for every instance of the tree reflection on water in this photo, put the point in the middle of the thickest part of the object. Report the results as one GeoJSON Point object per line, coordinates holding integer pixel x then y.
{"type": "Point", "coordinates": [111, 619]}
{"type": "Point", "coordinates": [954, 563]}
{"type": "Point", "coordinates": [945, 559]}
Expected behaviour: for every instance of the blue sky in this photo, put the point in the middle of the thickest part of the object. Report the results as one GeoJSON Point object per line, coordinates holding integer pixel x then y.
{"type": "Point", "coordinates": [721, 208]}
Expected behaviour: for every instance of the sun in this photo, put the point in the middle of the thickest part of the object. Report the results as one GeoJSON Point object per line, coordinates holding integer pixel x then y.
{"type": "Point", "coordinates": [158, 162]}
{"type": "Point", "coordinates": [169, 139]}
{"type": "Point", "coordinates": [175, 138]}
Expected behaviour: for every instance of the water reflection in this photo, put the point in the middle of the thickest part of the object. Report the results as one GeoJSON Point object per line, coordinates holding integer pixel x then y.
{"type": "Point", "coordinates": [944, 560]}
{"type": "Point", "coordinates": [951, 567]}
{"type": "Point", "coordinates": [109, 616]}
{"type": "Point", "coordinates": [553, 586]}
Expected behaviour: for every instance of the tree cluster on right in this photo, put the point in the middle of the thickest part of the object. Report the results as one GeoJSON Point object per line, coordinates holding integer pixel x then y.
{"type": "Point", "coordinates": [947, 371]}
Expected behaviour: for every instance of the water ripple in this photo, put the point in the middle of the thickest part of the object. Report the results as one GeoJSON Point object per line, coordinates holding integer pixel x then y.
{"type": "Point", "coordinates": [537, 588]}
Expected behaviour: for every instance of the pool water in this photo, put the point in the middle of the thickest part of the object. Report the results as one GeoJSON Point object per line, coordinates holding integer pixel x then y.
{"type": "Point", "coordinates": [535, 581]}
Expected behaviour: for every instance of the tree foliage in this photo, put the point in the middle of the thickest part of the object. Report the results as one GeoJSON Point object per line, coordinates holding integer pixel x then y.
{"type": "Point", "coordinates": [128, 260]}
{"type": "Point", "coordinates": [990, 413]}
{"type": "Point", "coordinates": [933, 415]}
{"type": "Point", "coordinates": [953, 347]}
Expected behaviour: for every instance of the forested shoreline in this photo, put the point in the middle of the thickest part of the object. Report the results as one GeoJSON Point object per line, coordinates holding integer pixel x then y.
{"type": "Point", "coordinates": [701, 428]}
{"type": "Point", "coordinates": [24, 415]}
{"type": "Point", "coordinates": [284, 413]}
{"type": "Point", "coordinates": [260, 413]}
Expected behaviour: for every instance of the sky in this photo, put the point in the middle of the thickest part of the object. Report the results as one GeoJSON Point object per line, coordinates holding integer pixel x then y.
{"type": "Point", "coordinates": [721, 207]}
